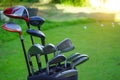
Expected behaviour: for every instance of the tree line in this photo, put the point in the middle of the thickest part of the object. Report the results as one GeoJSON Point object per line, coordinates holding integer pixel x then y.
{"type": "Point", "coordinates": [66, 2]}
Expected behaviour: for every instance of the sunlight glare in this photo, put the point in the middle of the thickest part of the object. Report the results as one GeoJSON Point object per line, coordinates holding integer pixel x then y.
{"type": "Point", "coordinates": [111, 5]}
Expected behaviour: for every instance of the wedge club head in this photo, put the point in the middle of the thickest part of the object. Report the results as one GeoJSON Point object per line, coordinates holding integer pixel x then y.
{"type": "Point", "coordinates": [65, 46]}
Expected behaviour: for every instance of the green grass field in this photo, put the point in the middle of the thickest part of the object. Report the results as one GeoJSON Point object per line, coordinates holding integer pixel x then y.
{"type": "Point", "coordinates": [100, 43]}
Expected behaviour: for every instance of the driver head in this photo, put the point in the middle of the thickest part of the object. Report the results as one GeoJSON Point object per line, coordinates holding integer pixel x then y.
{"type": "Point", "coordinates": [17, 12]}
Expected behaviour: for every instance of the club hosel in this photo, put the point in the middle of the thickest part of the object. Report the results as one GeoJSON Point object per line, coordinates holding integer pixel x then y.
{"type": "Point", "coordinates": [28, 25]}
{"type": "Point", "coordinates": [38, 27]}
{"type": "Point", "coordinates": [32, 41]}
{"type": "Point", "coordinates": [21, 37]}
{"type": "Point", "coordinates": [25, 55]}
{"type": "Point", "coordinates": [43, 41]}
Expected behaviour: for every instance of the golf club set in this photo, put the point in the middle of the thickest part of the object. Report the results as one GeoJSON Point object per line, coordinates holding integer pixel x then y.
{"type": "Point", "coordinates": [58, 67]}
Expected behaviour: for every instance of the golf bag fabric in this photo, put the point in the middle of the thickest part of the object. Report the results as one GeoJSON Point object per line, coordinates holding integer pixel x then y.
{"type": "Point", "coordinates": [46, 77]}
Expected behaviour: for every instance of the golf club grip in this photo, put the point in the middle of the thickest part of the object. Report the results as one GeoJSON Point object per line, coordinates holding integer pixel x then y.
{"type": "Point", "coordinates": [26, 59]}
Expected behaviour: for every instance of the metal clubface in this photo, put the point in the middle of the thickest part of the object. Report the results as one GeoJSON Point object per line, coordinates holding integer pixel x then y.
{"type": "Point", "coordinates": [78, 57]}
{"type": "Point", "coordinates": [79, 60]}
{"type": "Point", "coordinates": [50, 48]}
{"type": "Point", "coordinates": [67, 73]}
{"type": "Point", "coordinates": [65, 46]}
{"type": "Point", "coordinates": [70, 58]}
{"type": "Point", "coordinates": [57, 59]}
{"type": "Point", "coordinates": [35, 50]}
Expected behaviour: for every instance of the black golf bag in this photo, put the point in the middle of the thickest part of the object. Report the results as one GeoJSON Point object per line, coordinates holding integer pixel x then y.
{"type": "Point", "coordinates": [52, 76]}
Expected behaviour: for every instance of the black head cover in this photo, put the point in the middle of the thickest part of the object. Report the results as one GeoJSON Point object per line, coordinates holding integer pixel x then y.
{"type": "Point", "coordinates": [36, 21]}
{"type": "Point", "coordinates": [36, 33]}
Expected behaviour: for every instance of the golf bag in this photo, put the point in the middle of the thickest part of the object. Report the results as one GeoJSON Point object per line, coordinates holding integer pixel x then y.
{"type": "Point", "coordinates": [72, 74]}
{"type": "Point", "coordinates": [45, 77]}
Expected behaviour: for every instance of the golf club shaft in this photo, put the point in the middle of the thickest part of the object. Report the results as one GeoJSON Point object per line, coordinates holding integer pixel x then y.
{"type": "Point", "coordinates": [24, 50]}
{"type": "Point", "coordinates": [38, 27]}
{"type": "Point", "coordinates": [30, 35]}
{"type": "Point", "coordinates": [38, 62]}
{"type": "Point", "coordinates": [43, 43]}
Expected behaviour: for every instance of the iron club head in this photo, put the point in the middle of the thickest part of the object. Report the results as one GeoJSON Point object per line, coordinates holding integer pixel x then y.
{"type": "Point", "coordinates": [65, 45]}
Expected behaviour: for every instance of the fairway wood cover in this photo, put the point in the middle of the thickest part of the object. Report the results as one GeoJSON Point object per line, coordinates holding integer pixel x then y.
{"type": "Point", "coordinates": [36, 21]}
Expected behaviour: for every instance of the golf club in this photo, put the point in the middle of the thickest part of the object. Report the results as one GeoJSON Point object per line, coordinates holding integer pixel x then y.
{"type": "Point", "coordinates": [40, 34]}
{"type": "Point", "coordinates": [78, 60]}
{"type": "Point", "coordinates": [37, 21]}
{"type": "Point", "coordinates": [35, 50]}
{"type": "Point", "coordinates": [64, 46]}
{"type": "Point", "coordinates": [19, 12]}
{"type": "Point", "coordinates": [73, 56]}
{"type": "Point", "coordinates": [57, 59]}
{"type": "Point", "coordinates": [70, 58]}
{"type": "Point", "coordinates": [67, 73]}
{"type": "Point", "coordinates": [78, 57]}
{"type": "Point", "coordinates": [50, 48]}
{"type": "Point", "coordinates": [12, 27]}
